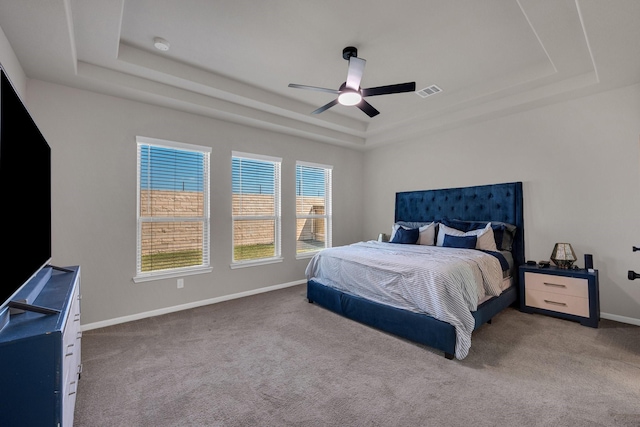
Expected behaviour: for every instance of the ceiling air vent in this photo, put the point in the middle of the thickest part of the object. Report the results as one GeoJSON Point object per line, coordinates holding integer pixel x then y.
{"type": "Point", "coordinates": [428, 91]}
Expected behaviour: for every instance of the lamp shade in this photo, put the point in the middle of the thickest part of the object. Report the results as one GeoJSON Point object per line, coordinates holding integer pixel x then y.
{"type": "Point", "coordinates": [563, 255]}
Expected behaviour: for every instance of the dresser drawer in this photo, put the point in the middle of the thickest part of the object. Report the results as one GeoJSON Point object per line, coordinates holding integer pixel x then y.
{"type": "Point", "coordinates": [561, 303]}
{"type": "Point", "coordinates": [71, 347]}
{"type": "Point", "coordinates": [557, 284]}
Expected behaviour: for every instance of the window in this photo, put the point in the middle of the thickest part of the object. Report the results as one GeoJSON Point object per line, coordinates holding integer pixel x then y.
{"type": "Point", "coordinates": [255, 209]}
{"type": "Point", "coordinates": [173, 209]}
{"type": "Point", "coordinates": [313, 208]}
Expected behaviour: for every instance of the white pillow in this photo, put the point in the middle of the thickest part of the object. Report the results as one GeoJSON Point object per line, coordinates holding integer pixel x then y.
{"type": "Point", "coordinates": [427, 233]}
{"type": "Point", "coordinates": [485, 241]}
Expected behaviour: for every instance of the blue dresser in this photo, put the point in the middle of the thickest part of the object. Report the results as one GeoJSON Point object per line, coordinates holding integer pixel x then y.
{"type": "Point", "coordinates": [40, 357]}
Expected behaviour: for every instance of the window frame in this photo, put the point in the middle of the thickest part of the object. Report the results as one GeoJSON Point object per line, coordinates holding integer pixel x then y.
{"type": "Point", "coordinates": [328, 207]}
{"type": "Point", "coordinates": [205, 267]}
{"type": "Point", "coordinates": [276, 217]}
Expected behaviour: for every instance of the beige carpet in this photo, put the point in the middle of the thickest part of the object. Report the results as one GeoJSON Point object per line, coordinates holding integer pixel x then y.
{"type": "Point", "coordinates": [275, 360]}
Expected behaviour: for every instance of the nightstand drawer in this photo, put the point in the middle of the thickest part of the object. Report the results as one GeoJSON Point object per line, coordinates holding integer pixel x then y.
{"type": "Point", "coordinates": [565, 293]}
{"type": "Point", "coordinates": [568, 304]}
{"type": "Point", "coordinates": [561, 285]}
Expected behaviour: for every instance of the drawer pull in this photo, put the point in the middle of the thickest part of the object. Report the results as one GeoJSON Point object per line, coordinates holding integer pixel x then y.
{"type": "Point", "coordinates": [78, 335]}
{"type": "Point", "coordinates": [555, 285]}
{"type": "Point", "coordinates": [555, 303]}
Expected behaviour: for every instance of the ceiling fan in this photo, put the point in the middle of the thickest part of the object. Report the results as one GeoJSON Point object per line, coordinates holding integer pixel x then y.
{"type": "Point", "coordinates": [350, 93]}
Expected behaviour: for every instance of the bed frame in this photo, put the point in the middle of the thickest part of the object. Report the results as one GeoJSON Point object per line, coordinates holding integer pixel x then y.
{"type": "Point", "coordinates": [496, 202]}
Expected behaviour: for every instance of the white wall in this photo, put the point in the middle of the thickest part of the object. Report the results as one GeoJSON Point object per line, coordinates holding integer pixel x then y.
{"type": "Point", "coordinates": [93, 141]}
{"type": "Point", "coordinates": [579, 163]}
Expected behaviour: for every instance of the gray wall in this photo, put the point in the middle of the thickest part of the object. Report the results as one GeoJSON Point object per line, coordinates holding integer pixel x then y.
{"type": "Point", "coordinates": [579, 163]}
{"type": "Point", "coordinates": [93, 141]}
{"type": "Point", "coordinates": [12, 66]}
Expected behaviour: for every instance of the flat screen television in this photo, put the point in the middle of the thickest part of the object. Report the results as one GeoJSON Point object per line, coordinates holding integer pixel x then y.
{"type": "Point", "coordinates": [25, 194]}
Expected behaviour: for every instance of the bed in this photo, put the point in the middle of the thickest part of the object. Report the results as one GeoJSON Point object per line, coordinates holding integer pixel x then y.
{"type": "Point", "coordinates": [345, 279]}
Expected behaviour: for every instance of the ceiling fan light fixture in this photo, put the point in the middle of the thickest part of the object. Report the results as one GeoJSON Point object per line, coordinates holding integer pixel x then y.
{"type": "Point", "coordinates": [349, 98]}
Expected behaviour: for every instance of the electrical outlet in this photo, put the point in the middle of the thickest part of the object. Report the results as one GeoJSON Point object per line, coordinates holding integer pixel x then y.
{"type": "Point", "coordinates": [180, 283]}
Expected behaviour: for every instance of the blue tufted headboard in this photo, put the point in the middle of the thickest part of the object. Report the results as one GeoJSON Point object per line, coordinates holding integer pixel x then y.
{"type": "Point", "coordinates": [496, 202]}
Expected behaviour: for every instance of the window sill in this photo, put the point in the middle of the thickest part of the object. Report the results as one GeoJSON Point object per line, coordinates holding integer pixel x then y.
{"type": "Point", "coordinates": [306, 255]}
{"type": "Point", "coordinates": [169, 275]}
{"type": "Point", "coordinates": [255, 263]}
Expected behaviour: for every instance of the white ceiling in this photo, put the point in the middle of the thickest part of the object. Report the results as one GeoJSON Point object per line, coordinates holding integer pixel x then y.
{"type": "Point", "coordinates": [234, 59]}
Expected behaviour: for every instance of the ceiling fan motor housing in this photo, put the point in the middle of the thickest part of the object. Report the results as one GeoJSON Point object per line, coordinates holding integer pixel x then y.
{"type": "Point", "coordinates": [350, 92]}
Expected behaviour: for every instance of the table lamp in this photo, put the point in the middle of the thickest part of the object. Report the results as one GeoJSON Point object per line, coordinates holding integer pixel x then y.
{"type": "Point", "coordinates": [563, 255]}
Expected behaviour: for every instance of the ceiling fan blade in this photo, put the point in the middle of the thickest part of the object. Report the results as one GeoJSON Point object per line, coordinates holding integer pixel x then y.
{"type": "Point", "coordinates": [367, 108]}
{"type": "Point", "coordinates": [354, 74]}
{"type": "Point", "coordinates": [325, 107]}
{"type": "Point", "coordinates": [385, 90]}
{"type": "Point", "coordinates": [319, 89]}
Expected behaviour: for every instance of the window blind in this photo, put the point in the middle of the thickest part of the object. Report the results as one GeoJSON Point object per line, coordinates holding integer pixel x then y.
{"type": "Point", "coordinates": [256, 207]}
{"type": "Point", "coordinates": [173, 207]}
{"type": "Point", "coordinates": [313, 207]}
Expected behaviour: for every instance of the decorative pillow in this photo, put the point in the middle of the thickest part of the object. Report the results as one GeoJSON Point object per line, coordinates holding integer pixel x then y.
{"type": "Point", "coordinates": [485, 240]}
{"type": "Point", "coordinates": [427, 231]}
{"type": "Point", "coordinates": [503, 232]}
{"type": "Point", "coordinates": [463, 242]}
{"type": "Point", "coordinates": [393, 231]}
{"type": "Point", "coordinates": [406, 235]}
{"type": "Point", "coordinates": [427, 234]}
{"type": "Point", "coordinates": [406, 224]}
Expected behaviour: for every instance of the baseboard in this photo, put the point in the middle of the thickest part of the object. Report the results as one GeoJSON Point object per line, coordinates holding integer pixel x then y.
{"type": "Point", "coordinates": [181, 307]}
{"type": "Point", "coordinates": [166, 310]}
{"type": "Point", "coordinates": [621, 319]}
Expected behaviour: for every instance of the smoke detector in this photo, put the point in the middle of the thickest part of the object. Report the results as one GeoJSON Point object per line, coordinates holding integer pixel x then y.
{"type": "Point", "coordinates": [161, 44]}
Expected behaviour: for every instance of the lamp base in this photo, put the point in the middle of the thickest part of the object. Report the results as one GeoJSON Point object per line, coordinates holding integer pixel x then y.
{"type": "Point", "coordinates": [561, 263]}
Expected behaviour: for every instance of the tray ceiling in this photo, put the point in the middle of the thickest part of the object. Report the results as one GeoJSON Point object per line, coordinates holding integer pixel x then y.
{"type": "Point", "coordinates": [234, 59]}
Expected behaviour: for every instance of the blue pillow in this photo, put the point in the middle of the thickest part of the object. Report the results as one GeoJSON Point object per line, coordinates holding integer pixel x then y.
{"type": "Point", "coordinates": [404, 235]}
{"type": "Point", "coordinates": [461, 225]}
{"type": "Point", "coordinates": [503, 232]}
{"type": "Point", "coordinates": [463, 242]}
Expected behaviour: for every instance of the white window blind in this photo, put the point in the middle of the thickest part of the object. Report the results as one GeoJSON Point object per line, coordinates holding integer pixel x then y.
{"type": "Point", "coordinates": [256, 208]}
{"type": "Point", "coordinates": [313, 207]}
{"type": "Point", "coordinates": [173, 208]}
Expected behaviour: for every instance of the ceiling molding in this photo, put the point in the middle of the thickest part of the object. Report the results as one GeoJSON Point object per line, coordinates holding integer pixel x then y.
{"type": "Point", "coordinates": [227, 62]}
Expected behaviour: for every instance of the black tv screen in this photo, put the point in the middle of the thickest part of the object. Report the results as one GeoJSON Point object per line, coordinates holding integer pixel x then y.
{"type": "Point", "coordinates": [25, 194]}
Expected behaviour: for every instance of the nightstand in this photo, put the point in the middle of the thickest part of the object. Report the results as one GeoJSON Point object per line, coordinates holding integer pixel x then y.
{"type": "Point", "coordinates": [571, 294]}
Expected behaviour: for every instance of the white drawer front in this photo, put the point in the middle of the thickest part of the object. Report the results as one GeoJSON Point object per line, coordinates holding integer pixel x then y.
{"type": "Point", "coordinates": [557, 284]}
{"type": "Point", "coordinates": [71, 342]}
{"type": "Point", "coordinates": [69, 403]}
{"type": "Point", "coordinates": [568, 304]}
